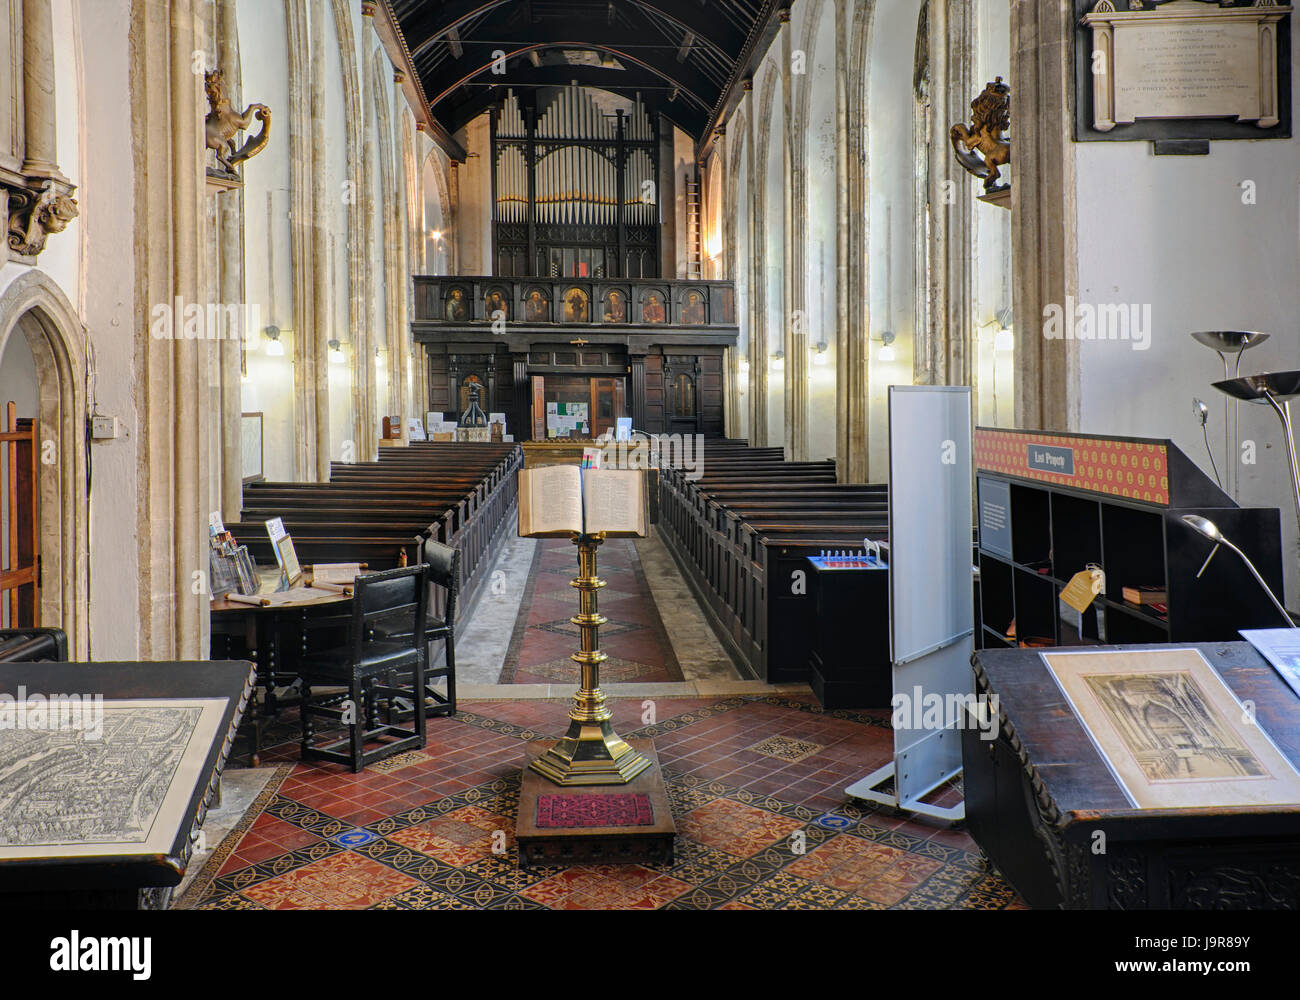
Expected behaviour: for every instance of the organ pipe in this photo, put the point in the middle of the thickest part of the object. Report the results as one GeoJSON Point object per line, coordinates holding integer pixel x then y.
{"type": "Point", "coordinates": [575, 177]}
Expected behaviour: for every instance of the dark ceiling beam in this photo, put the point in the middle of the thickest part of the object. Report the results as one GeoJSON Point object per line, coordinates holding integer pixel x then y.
{"type": "Point", "coordinates": [424, 30]}
{"type": "Point", "coordinates": [479, 61]}
{"type": "Point", "coordinates": [436, 19]}
{"type": "Point", "coordinates": [503, 32]}
{"type": "Point", "coordinates": [399, 54]}
{"type": "Point", "coordinates": [761, 36]}
{"type": "Point", "coordinates": [715, 31]}
{"type": "Point", "coordinates": [688, 43]}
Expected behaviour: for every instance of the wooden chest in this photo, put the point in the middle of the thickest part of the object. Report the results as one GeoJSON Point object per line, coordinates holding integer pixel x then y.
{"type": "Point", "coordinates": [1044, 807]}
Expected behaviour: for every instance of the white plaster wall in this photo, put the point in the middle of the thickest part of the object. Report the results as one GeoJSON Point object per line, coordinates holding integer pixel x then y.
{"type": "Point", "coordinates": [819, 39]}
{"type": "Point", "coordinates": [892, 179]}
{"type": "Point", "coordinates": [268, 388]}
{"type": "Point", "coordinates": [474, 219]}
{"type": "Point", "coordinates": [1173, 232]}
{"type": "Point", "coordinates": [92, 56]}
{"type": "Point", "coordinates": [61, 257]}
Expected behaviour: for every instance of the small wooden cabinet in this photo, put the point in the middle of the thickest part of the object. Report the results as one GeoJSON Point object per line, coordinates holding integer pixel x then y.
{"type": "Point", "coordinates": [850, 666]}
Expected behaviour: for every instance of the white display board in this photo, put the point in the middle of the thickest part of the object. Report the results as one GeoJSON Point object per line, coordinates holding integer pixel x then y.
{"type": "Point", "coordinates": [931, 600]}
{"type": "Point", "coordinates": [930, 527]}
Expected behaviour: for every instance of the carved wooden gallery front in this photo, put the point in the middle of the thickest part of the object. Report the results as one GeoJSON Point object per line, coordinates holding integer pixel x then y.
{"type": "Point", "coordinates": [649, 350]}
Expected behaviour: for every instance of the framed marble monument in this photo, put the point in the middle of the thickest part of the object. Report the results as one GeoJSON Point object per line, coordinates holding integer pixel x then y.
{"type": "Point", "coordinates": [1182, 70]}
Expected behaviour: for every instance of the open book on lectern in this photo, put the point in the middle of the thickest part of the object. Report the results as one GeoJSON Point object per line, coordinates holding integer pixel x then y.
{"type": "Point", "coordinates": [559, 500]}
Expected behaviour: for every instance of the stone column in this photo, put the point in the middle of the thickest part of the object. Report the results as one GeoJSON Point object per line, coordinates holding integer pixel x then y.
{"type": "Point", "coordinates": [230, 209]}
{"type": "Point", "coordinates": [1044, 224]}
{"type": "Point", "coordinates": [944, 349]}
{"type": "Point", "coordinates": [39, 112]}
{"type": "Point", "coordinates": [726, 271]}
{"type": "Point", "coordinates": [317, 339]}
{"type": "Point", "coordinates": [300, 238]}
{"type": "Point", "coordinates": [172, 375]}
{"type": "Point", "coordinates": [758, 349]}
{"type": "Point", "coordinates": [363, 420]}
{"type": "Point", "coordinates": [794, 316]}
{"type": "Point", "coordinates": [852, 193]}
{"type": "Point", "coordinates": [402, 272]}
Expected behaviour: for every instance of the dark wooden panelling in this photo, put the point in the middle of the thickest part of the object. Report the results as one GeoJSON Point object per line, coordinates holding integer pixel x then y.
{"type": "Point", "coordinates": [654, 394]}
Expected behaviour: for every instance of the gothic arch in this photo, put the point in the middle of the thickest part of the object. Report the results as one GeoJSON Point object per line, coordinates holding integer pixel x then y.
{"type": "Point", "coordinates": [35, 306]}
{"type": "Point", "coordinates": [737, 142]}
{"type": "Point", "coordinates": [437, 214]}
{"type": "Point", "coordinates": [805, 82]}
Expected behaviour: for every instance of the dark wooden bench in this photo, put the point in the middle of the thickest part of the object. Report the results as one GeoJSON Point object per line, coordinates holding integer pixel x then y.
{"type": "Point", "coordinates": [742, 533]}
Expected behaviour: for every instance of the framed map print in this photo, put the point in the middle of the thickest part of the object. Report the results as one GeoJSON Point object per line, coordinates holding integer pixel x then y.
{"type": "Point", "coordinates": [119, 787]}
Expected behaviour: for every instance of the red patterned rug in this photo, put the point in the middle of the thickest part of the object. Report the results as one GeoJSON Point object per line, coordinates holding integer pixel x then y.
{"type": "Point", "coordinates": [544, 638]}
{"type": "Point", "coordinates": [584, 811]}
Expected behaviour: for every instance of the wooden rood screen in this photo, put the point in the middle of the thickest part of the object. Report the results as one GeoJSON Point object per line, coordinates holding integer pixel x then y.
{"type": "Point", "coordinates": [19, 568]}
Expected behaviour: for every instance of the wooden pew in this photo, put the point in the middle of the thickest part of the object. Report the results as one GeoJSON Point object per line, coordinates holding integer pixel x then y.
{"type": "Point", "coordinates": [379, 513]}
{"type": "Point", "coordinates": [742, 532]}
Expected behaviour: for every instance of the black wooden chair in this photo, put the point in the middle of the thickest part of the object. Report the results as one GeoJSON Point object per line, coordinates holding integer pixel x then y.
{"type": "Point", "coordinates": [443, 565]}
{"type": "Point", "coordinates": [33, 645]}
{"type": "Point", "coordinates": [387, 635]}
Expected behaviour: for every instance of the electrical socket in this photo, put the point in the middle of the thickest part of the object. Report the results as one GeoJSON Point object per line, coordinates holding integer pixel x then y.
{"type": "Point", "coordinates": [103, 428]}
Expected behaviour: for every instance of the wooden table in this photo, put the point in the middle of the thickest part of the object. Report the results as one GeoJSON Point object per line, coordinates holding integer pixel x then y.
{"type": "Point", "coordinates": [272, 638]}
{"type": "Point", "coordinates": [84, 840]}
{"type": "Point", "coordinates": [1044, 806]}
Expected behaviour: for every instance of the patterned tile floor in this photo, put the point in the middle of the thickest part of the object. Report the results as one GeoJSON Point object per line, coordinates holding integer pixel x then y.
{"type": "Point", "coordinates": [634, 640]}
{"type": "Point", "coordinates": [756, 786]}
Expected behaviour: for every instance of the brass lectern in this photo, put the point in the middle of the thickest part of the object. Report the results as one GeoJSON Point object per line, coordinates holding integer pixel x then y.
{"type": "Point", "coordinates": [590, 753]}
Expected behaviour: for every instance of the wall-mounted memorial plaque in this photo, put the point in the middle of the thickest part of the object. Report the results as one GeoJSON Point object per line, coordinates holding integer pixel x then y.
{"type": "Point", "coordinates": [1182, 69]}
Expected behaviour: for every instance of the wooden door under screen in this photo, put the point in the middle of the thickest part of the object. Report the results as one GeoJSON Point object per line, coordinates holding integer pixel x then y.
{"type": "Point", "coordinates": [683, 401]}
{"type": "Point", "coordinates": [539, 408]}
{"type": "Point", "coordinates": [608, 403]}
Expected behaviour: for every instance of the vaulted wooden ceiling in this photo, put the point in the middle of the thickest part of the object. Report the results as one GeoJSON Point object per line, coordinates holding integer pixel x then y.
{"type": "Point", "coordinates": [685, 57]}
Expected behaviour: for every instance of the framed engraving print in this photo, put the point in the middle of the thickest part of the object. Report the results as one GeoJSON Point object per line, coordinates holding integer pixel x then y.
{"type": "Point", "coordinates": [1182, 69]}
{"type": "Point", "coordinates": [1171, 731]}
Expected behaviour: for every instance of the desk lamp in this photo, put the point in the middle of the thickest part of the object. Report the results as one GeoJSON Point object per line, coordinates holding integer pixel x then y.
{"type": "Point", "coordinates": [1205, 527]}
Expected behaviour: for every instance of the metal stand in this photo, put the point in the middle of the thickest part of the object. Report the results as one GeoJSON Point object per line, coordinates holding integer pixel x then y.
{"type": "Point", "coordinates": [866, 789]}
{"type": "Point", "coordinates": [1276, 390]}
{"type": "Point", "coordinates": [1223, 343]}
{"type": "Point", "coordinates": [1283, 411]}
{"type": "Point", "coordinates": [590, 753]}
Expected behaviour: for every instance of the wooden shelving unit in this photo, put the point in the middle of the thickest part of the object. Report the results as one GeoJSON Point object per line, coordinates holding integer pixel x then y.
{"type": "Point", "coordinates": [1038, 529]}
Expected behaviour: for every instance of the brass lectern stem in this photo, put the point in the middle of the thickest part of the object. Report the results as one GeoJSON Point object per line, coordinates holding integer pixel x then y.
{"type": "Point", "coordinates": [590, 753]}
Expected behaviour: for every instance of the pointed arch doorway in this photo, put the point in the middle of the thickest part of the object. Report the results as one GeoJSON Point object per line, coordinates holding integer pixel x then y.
{"type": "Point", "coordinates": [34, 308]}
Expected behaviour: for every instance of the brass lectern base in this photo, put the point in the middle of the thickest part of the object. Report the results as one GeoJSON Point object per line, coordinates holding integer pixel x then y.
{"type": "Point", "coordinates": [590, 753]}
{"type": "Point", "coordinates": [629, 824]}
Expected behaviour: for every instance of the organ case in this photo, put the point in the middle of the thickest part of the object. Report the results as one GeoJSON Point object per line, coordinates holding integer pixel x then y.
{"type": "Point", "coordinates": [575, 190]}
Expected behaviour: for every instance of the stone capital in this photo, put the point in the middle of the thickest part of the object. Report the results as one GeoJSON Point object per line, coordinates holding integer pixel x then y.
{"type": "Point", "coordinates": [40, 208]}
